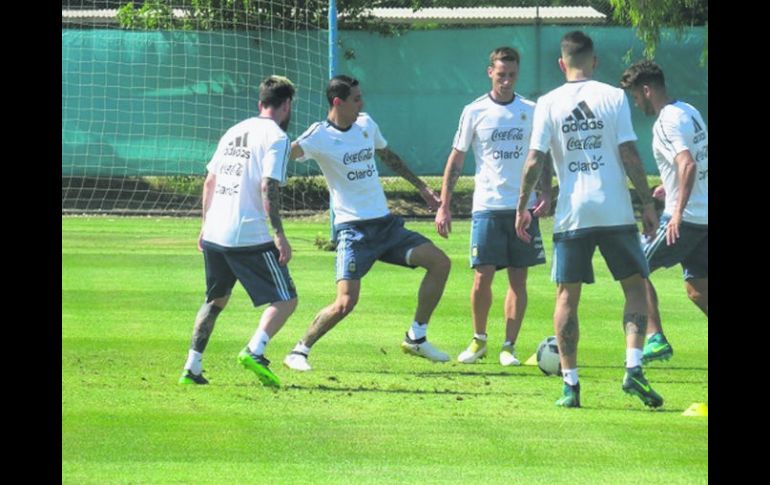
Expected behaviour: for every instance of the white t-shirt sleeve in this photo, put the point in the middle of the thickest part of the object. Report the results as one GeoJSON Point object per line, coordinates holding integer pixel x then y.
{"type": "Point", "coordinates": [625, 127]}
{"type": "Point", "coordinates": [276, 160]}
{"type": "Point", "coordinates": [676, 131]}
{"type": "Point", "coordinates": [379, 141]}
{"type": "Point", "coordinates": [213, 164]}
{"type": "Point", "coordinates": [464, 134]}
{"type": "Point", "coordinates": [308, 143]}
{"type": "Point", "coordinates": [541, 128]}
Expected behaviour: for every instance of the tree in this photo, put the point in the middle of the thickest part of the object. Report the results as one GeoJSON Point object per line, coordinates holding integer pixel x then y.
{"type": "Point", "coordinates": [649, 16]}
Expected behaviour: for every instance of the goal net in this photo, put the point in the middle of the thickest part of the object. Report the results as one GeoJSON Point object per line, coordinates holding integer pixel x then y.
{"type": "Point", "coordinates": [148, 88]}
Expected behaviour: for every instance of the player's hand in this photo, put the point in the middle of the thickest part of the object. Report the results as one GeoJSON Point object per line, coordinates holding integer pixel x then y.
{"type": "Point", "coordinates": [543, 205]}
{"type": "Point", "coordinates": [672, 229]}
{"type": "Point", "coordinates": [284, 248]}
{"type": "Point", "coordinates": [430, 198]}
{"type": "Point", "coordinates": [659, 193]}
{"type": "Point", "coordinates": [523, 220]}
{"type": "Point", "coordinates": [649, 220]}
{"type": "Point", "coordinates": [200, 240]}
{"type": "Point", "coordinates": [443, 221]}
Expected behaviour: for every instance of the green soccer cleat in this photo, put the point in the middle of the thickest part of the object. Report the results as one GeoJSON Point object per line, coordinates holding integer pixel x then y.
{"type": "Point", "coordinates": [259, 365]}
{"type": "Point", "coordinates": [657, 348]}
{"type": "Point", "coordinates": [475, 351]}
{"type": "Point", "coordinates": [189, 378]}
{"type": "Point", "coordinates": [636, 384]}
{"type": "Point", "coordinates": [570, 396]}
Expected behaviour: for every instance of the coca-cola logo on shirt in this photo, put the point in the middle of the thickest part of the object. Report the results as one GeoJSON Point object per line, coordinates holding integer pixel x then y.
{"type": "Point", "coordinates": [588, 143]}
{"type": "Point", "coordinates": [506, 135]}
{"type": "Point", "coordinates": [360, 156]}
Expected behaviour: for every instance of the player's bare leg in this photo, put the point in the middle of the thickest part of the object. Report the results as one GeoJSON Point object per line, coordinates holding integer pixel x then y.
{"type": "Point", "coordinates": [515, 307]}
{"type": "Point", "coordinates": [481, 302]}
{"type": "Point", "coordinates": [437, 265]}
{"type": "Point", "coordinates": [347, 297]}
{"type": "Point", "coordinates": [202, 330]}
{"type": "Point", "coordinates": [635, 327]}
{"type": "Point", "coordinates": [565, 325]}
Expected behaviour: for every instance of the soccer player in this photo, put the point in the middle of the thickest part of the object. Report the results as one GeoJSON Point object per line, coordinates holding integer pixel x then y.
{"type": "Point", "coordinates": [680, 145]}
{"type": "Point", "coordinates": [240, 193]}
{"type": "Point", "coordinates": [498, 126]}
{"type": "Point", "coordinates": [344, 146]}
{"type": "Point", "coordinates": [587, 126]}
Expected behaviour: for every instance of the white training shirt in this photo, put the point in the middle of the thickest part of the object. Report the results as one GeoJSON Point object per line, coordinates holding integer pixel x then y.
{"type": "Point", "coordinates": [582, 123]}
{"type": "Point", "coordinates": [680, 127]}
{"type": "Point", "coordinates": [347, 161]}
{"type": "Point", "coordinates": [253, 149]}
{"type": "Point", "coordinates": [499, 134]}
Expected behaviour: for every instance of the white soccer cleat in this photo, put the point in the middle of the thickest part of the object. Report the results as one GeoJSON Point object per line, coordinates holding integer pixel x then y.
{"type": "Point", "coordinates": [422, 348]}
{"type": "Point", "coordinates": [508, 356]}
{"type": "Point", "coordinates": [475, 351]}
{"type": "Point", "coordinates": [296, 361]}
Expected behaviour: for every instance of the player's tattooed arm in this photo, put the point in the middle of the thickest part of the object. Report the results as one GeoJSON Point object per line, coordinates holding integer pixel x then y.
{"type": "Point", "coordinates": [635, 171]}
{"type": "Point", "coordinates": [533, 167]}
{"type": "Point", "coordinates": [398, 166]}
{"type": "Point", "coordinates": [271, 201]}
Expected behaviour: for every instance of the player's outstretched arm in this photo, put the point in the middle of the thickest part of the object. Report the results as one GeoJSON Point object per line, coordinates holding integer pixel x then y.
{"type": "Point", "coordinates": [271, 201]}
{"type": "Point", "coordinates": [398, 166]}
{"type": "Point", "coordinates": [452, 171]}
{"type": "Point", "coordinates": [635, 171]}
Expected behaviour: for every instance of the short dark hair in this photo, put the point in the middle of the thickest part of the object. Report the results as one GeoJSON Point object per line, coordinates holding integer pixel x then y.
{"type": "Point", "coordinates": [275, 90]}
{"type": "Point", "coordinates": [340, 86]}
{"type": "Point", "coordinates": [642, 72]}
{"type": "Point", "coordinates": [504, 54]}
{"type": "Point", "coordinates": [576, 45]}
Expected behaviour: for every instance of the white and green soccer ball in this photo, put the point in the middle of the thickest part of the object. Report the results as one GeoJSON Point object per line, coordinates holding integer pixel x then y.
{"type": "Point", "coordinates": [548, 357]}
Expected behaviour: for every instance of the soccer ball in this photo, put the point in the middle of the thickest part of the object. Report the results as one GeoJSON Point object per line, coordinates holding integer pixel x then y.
{"type": "Point", "coordinates": [548, 357]}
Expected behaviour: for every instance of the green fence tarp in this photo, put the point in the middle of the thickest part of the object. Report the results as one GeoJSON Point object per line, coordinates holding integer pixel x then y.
{"type": "Point", "coordinates": [156, 103]}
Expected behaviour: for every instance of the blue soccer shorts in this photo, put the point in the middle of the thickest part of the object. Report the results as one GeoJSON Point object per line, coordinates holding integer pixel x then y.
{"type": "Point", "coordinates": [361, 243]}
{"type": "Point", "coordinates": [256, 267]}
{"type": "Point", "coordinates": [494, 241]}
{"type": "Point", "coordinates": [618, 245]}
{"type": "Point", "coordinates": [691, 250]}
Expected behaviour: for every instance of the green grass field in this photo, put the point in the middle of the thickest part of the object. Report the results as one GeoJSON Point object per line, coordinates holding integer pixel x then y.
{"type": "Point", "coordinates": [367, 413]}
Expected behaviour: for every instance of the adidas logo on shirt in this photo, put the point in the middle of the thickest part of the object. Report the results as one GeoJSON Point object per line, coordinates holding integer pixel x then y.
{"type": "Point", "coordinates": [239, 147]}
{"type": "Point", "coordinates": [581, 119]}
{"type": "Point", "coordinates": [700, 135]}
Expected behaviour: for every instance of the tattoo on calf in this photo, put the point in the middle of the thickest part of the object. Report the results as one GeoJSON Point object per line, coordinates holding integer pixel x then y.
{"type": "Point", "coordinates": [568, 337]}
{"type": "Point", "coordinates": [635, 323]}
{"type": "Point", "coordinates": [204, 325]}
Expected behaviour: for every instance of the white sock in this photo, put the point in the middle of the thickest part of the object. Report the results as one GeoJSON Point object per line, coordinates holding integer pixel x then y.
{"type": "Point", "coordinates": [480, 336]}
{"type": "Point", "coordinates": [194, 363]}
{"type": "Point", "coordinates": [506, 343]}
{"type": "Point", "coordinates": [570, 376]}
{"type": "Point", "coordinates": [301, 348]}
{"type": "Point", "coordinates": [417, 330]}
{"type": "Point", "coordinates": [633, 357]}
{"type": "Point", "coordinates": [258, 342]}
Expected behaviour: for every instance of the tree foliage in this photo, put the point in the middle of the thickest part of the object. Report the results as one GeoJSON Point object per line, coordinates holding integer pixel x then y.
{"type": "Point", "coordinates": [650, 16]}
